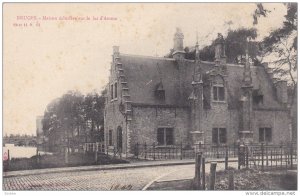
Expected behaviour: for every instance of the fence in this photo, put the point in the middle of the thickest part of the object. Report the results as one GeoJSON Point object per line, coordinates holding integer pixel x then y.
{"type": "Point", "coordinates": [260, 156]}
{"type": "Point", "coordinates": [267, 157]}
{"type": "Point", "coordinates": [92, 147]}
{"type": "Point", "coordinates": [154, 152]}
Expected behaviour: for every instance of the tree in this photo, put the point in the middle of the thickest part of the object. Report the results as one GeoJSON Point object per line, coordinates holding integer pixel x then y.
{"type": "Point", "coordinates": [72, 116]}
{"type": "Point", "coordinates": [235, 46]}
{"type": "Point", "coordinates": [281, 45]}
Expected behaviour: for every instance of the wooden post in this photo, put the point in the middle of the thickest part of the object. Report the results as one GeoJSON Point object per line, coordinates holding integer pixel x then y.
{"type": "Point", "coordinates": [154, 151]}
{"type": "Point", "coordinates": [291, 156]}
{"type": "Point", "coordinates": [203, 173]}
{"type": "Point", "coordinates": [281, 157]}
{"type": "Point", "coordinates": [226, 158]}
{"type": "Point", "coordinates": [247, 158]}
{"type": "Point", "coordinates": [262, 156]}
{"type": "Point", "coordinates": [145, 150]}
{"type": "Point", "coordinates": [181, 151]}
{"type": "Point", "coordinates": [267, 154]}
{"type": "Point", "coordinates": [137, 150]}
{"type": "Point", "coordinates": [231, 181]}
{"type": "Point", "coordinates": [66, 156]}
{"type": "Point", "coordinates": [239, 157]}
{"type": "Point", "coordinates": [96, 153]}
{"type": "Point", "coordinates": [197, 179]}
{"type": "Point", "coordinates": [212, 177]}
{"type": "Point", "coordinates": [8, 159]}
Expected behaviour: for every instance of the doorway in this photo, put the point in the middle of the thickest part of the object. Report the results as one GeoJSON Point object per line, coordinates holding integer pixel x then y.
{"type": "Point", "coordinates": [119, 138]}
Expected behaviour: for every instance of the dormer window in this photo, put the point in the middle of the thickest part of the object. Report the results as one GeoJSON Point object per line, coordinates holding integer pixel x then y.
{"type": "Point", "coordinates": [257, 96]}
{"type": "Point", "coordinates": [159, 91]}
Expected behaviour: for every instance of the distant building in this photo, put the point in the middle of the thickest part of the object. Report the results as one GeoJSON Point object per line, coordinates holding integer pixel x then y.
{"type": "Point", "coordinates": [169, 101]}
{"type": "Point", "coordinates": [40, 133]}
{"type": "Point", "coordinates": [20, 140]}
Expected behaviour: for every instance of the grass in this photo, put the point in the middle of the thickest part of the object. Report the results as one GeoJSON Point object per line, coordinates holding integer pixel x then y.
{"type": "Point", "coordinates": [58, 160]}
{"type": "Point", "coordinates": [244, 179]}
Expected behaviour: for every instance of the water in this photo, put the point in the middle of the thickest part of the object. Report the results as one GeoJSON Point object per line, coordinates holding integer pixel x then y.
{"type": "Point", "coordinates": [19, 151]}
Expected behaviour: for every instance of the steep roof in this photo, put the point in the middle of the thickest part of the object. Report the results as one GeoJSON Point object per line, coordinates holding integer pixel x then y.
{"type": "Point", "coordinates": [144, 73]}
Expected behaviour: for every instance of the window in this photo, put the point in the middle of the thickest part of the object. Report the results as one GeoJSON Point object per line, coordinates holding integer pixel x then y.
{"type": "Point", "coordinates": [165, 136]}
{"type": "Point", "coordinates": [112, 91]}
{"type": "Point", "coordinates": [110, 135]}
{"type": "Point", "coordinates": [159, 91]}
{"type": "Point", "coordinates": [160, 94]}
{"type": "Point", "coordinates": [219, 93]}
{"type": "Point", "coordinates": [116, 90]}
{"type": "Point", "coordinates": [219, 136]}
{"type": "Point", "coordinates": [257, 96]}
{"type": "Point", "coordinates": [265, 134]}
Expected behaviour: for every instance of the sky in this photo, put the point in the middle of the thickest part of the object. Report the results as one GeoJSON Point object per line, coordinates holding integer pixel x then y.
{"type": "Point", "coordinates": [43, 61]}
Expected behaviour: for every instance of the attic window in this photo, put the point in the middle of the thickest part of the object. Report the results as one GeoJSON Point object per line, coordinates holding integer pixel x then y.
{"type": "Point", "coordinates": [257, 96]}
{"type": "Point", "coordinates": [159, 91]}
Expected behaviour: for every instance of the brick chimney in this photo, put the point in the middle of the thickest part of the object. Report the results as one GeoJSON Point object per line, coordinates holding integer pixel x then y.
{"type": "Point", "coordinates": [179, 52]}
{"type": "Point", "coordinates": [281, 91]}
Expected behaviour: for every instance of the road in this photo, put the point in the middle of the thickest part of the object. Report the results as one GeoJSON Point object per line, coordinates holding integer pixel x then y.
{"type": "Point", "coordinates": [133, 179]}
{"type": "Point", "coordinates": [118, 179]}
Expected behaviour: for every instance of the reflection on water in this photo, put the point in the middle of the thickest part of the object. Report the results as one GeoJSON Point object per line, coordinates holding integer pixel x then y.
{"type": "Point", "coordinates": [19, 151]}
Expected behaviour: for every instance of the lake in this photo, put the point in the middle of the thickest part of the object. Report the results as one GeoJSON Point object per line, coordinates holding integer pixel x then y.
{"type": "Point", "coordinates": [20, 151]}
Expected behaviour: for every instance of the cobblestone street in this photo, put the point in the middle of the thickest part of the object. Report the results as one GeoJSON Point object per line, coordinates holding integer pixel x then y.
{"type": "Point", "coordinates": [116, 179]}
{"type": "Point", "coordinates": [133, 179]}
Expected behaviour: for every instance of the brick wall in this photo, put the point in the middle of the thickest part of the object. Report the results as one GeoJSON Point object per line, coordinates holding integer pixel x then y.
{"type": "Point", "coordinates": [277, 120]}
{"type": "Point", "coordinates": [146, 121]}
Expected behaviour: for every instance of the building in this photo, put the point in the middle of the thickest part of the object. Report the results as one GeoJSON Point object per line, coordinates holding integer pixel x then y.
{"type": "Point", "coordinates": [20, 140]}
{"type": "Point", "coordinates": [169, 101]}
{"type": "Point", "coordinates": [40, 133]}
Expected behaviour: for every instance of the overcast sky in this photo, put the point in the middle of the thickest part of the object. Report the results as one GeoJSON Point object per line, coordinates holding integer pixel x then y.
{"type": "Point", "coordinates": [40, 63]}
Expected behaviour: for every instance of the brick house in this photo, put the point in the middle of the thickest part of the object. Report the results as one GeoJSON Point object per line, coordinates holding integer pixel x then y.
{"type": "Point", "coordinates": [169, 101]}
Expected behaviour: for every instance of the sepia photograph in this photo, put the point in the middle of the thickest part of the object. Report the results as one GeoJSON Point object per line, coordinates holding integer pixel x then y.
{"type": "Point", "coordinates": [136, 96]}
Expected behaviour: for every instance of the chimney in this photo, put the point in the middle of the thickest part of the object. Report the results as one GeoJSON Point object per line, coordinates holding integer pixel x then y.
{"type": "Point", "coordinates": [178, 53]}
{"type": "Point", "coordinates": [116, 50]}
{"type": "Point", "coordinates": [281, 91]}
{"type": "Point", "coordinates": [220, 57]}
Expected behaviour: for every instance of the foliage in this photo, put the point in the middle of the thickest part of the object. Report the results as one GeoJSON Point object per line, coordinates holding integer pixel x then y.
{"type": "Point", "coordinates": [281, 45]}
{"type": "Point", "coordinates": [73, 116]}
{"type": "Point", "coordinates": [235, 47]}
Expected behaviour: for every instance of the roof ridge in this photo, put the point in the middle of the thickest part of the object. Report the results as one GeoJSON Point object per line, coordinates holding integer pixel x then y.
{"type": "Point", "coordinates": [144, 56]}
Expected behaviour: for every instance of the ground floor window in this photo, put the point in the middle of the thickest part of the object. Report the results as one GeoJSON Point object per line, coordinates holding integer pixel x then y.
{"type": "Point", "coordinates": [265, 134]}
{"type": "Point", "coordinates": [110, 135]}
{"type": "Point", "coordinates": [219, 136]}
{"type": "Point", "coordinates": [165, 136]}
